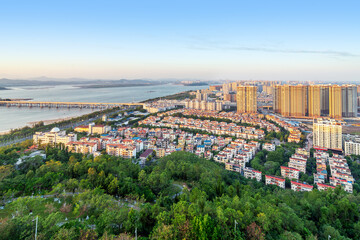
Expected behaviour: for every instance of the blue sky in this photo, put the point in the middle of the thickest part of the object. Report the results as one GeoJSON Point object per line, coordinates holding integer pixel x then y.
{"type": "Point", "coordinates": [230, 40]}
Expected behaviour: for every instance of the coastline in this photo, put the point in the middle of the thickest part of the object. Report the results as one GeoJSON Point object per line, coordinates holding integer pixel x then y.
{"type": "Point", "coordinates": [46, 122]}
{"type": "Point", "coordinates": [53, 119]}
{"type": "Point", "coordinates": [32, 124]}
{"type": "Point", "coordinates": [4, 132]}
{"type": "Point", "coordinates": [50, 121]}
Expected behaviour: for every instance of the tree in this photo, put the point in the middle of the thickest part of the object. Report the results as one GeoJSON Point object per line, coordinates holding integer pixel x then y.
{"type": "Point", "coordinates": [276, 156]}
{"type": "Point", "coordinates": [254, 232]}
{"type": "Point", "coordinates": [5, 171]}
{"type": "Point", "coordinates": [271, 167]}
{"type": "Point", "coordinates": [72, 184]}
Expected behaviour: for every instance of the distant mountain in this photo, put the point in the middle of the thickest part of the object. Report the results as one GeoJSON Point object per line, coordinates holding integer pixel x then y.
{"type": "Point", "coordinates": [45, 81]}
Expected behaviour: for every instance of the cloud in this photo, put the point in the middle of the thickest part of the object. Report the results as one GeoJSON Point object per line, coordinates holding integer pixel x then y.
{"type": "Point", "coordinates": [212, 46]}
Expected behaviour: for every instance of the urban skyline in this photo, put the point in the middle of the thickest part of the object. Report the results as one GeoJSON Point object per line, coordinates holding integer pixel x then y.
{"type": "Point", "coordinates": [180, 120]}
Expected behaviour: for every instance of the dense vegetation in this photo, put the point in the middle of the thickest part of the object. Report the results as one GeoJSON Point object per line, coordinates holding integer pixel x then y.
{"type": "Point", "coordinates": [176, 96]}
{"type": "Point", "coordinates": [180, 196]}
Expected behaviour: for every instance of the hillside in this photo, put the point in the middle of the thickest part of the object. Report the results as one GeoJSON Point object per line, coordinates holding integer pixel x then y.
{"type": "Point", "coordinates": [179, 197]}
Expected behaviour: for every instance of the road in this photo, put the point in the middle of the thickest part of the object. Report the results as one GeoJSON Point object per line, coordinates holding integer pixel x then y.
{"type": "Point", "coordinates": [309, 142]}
{"type": "Point", "coordinates": [179, 193]}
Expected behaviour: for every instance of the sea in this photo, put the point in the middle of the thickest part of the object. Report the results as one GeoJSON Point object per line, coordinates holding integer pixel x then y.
{"type": "Point", "coordinates": [14, 117]}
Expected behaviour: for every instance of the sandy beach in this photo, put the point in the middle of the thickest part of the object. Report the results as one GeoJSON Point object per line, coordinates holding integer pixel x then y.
{"type": "Point", "coordinates": [4, 132]}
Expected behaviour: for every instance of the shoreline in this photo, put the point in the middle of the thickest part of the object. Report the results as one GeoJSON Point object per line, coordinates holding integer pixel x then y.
{"type": "Point", "coordinates": [46, 122]}
{"type": "Point", "coordinates": [54, 120]}
{"type": "Point", "coordinates": [50, 121]}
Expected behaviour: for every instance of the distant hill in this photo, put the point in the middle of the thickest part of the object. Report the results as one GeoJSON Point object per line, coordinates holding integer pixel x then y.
{"type": "Point", "coordinates": [5, 82]}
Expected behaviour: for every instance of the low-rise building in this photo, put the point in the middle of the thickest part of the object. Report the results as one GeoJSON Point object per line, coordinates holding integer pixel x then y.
{"type": "Point", "coordinates": [319, 177]}
{"type": "Point", "coordinates": [55, 136]}
{"type": "Point", "coordinates": [347, 186]}
{"type": "Point", "coordinates": [272, 180]}
{"type": "Point", "coordinates": [301, 187]}
{"type": "Point", "coordinates": [289, 172]}
{"type": "Point", "coordinates": [93, 129]}
{"type": "Point", "coordinates": [145, 155]}
{"type": "Point", "coordinates": [252, 174]}
{"type": "Point", "coordinates": [160, 152]}
{"type": "Point", "coordinates": [233, 167]}
{"type": "Point", "coordinates": [82, 147]}
{"type": "Point", "coordinates": [322, 186]}
{"type": "Point", "coordinates": [269, 147]}
{"type": "Point", "coordinates": [121, 150]}
{"type": "Point", "coordinates": [298, 163]}
{"type": "Point", "coordinates": [302, 151]}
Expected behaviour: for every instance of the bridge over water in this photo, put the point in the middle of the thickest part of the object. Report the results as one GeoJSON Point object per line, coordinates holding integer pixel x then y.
{"type": "Point", "coordinates": [41, 104]}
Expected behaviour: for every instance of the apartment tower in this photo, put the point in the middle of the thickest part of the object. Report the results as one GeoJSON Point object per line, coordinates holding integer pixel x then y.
{"type": "Point", "coordinates": [277, 99]}
{"type": "Point", "coordinates": [335, 101]}
{"type": "Point", "coordinates": [246, 99]}
{"type": "Point", "coordinates": [315, 101]}
{"type": "Point", "coordinates": [349, 100]}
{"type": "Point", "coordinates": [298, 101]}
{"type": "Point", "coordinates": [285, 101]}
{"type": "Point", "coordinates": [327, 134]}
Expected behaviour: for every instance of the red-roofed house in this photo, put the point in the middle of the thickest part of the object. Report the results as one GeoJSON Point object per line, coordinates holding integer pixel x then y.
{"type": "Point", "coordinates": [322, 186]}
{"type": "Point", "coordinates": [272, 180]}
{"type": "Point", "coordinates": [291, 173]}
{"type": "Point", "coordinates": [296, 186]}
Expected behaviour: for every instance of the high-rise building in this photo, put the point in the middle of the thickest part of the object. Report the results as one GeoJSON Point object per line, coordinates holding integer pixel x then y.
{"type": "Point", "coordinates": [298, 100]}
{"type": "Point", "coordinates": [349, 103]}
{"type": "Point", "coordinates": [227, 97]}
{"type": "Point", "coordinates": [203, 105]}
{"type": "Point", "coordinates": [234, 86]}
{"type": "Point", "coordinates": [218, 105]}
{"type": "Point", "coordinates": [246, 99]}
{"type": "Point", "coordinates": [285, 101]}
{"type": "Point", "coordinates": [198, 95]}
{"type": "Point", "coordinates": [335, 101]}
{"type": "Point", "coordinates": [324, 94]}
{"type": "Point", "coordinates": [315, 101]}
{"type": "Point", "coordinates": [268, 89]}
{"type": "Point", "coordinates": [211, 106]}
{"type": "Point", "coordinates": [327, 133]}
{"type": "Point", "coordinates": [226, 88]}
{"type": "Point", "coordinates": [277, 99]}
{"type": "Point", "coordinates": [205, 96]}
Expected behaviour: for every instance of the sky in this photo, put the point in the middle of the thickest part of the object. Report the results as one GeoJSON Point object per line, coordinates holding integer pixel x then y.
{"type": "Point", "coordinates": [208, 40]}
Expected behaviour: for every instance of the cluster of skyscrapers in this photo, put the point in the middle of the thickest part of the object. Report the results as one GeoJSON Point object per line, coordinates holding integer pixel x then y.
{"type": "Point", "coordinates": [315, 100]}
{"type": "Point", "coordinates": [202, 102]}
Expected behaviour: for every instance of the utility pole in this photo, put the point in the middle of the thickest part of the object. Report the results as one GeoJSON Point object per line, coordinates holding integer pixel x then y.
{"type": "Point", "coordinates": [135, 233]}
{"type": "Point", "coordinates": [36, 224]}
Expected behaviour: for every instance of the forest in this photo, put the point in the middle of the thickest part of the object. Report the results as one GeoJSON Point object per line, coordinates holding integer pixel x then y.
{"type": "Point", "coordinates": [180, 196]}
